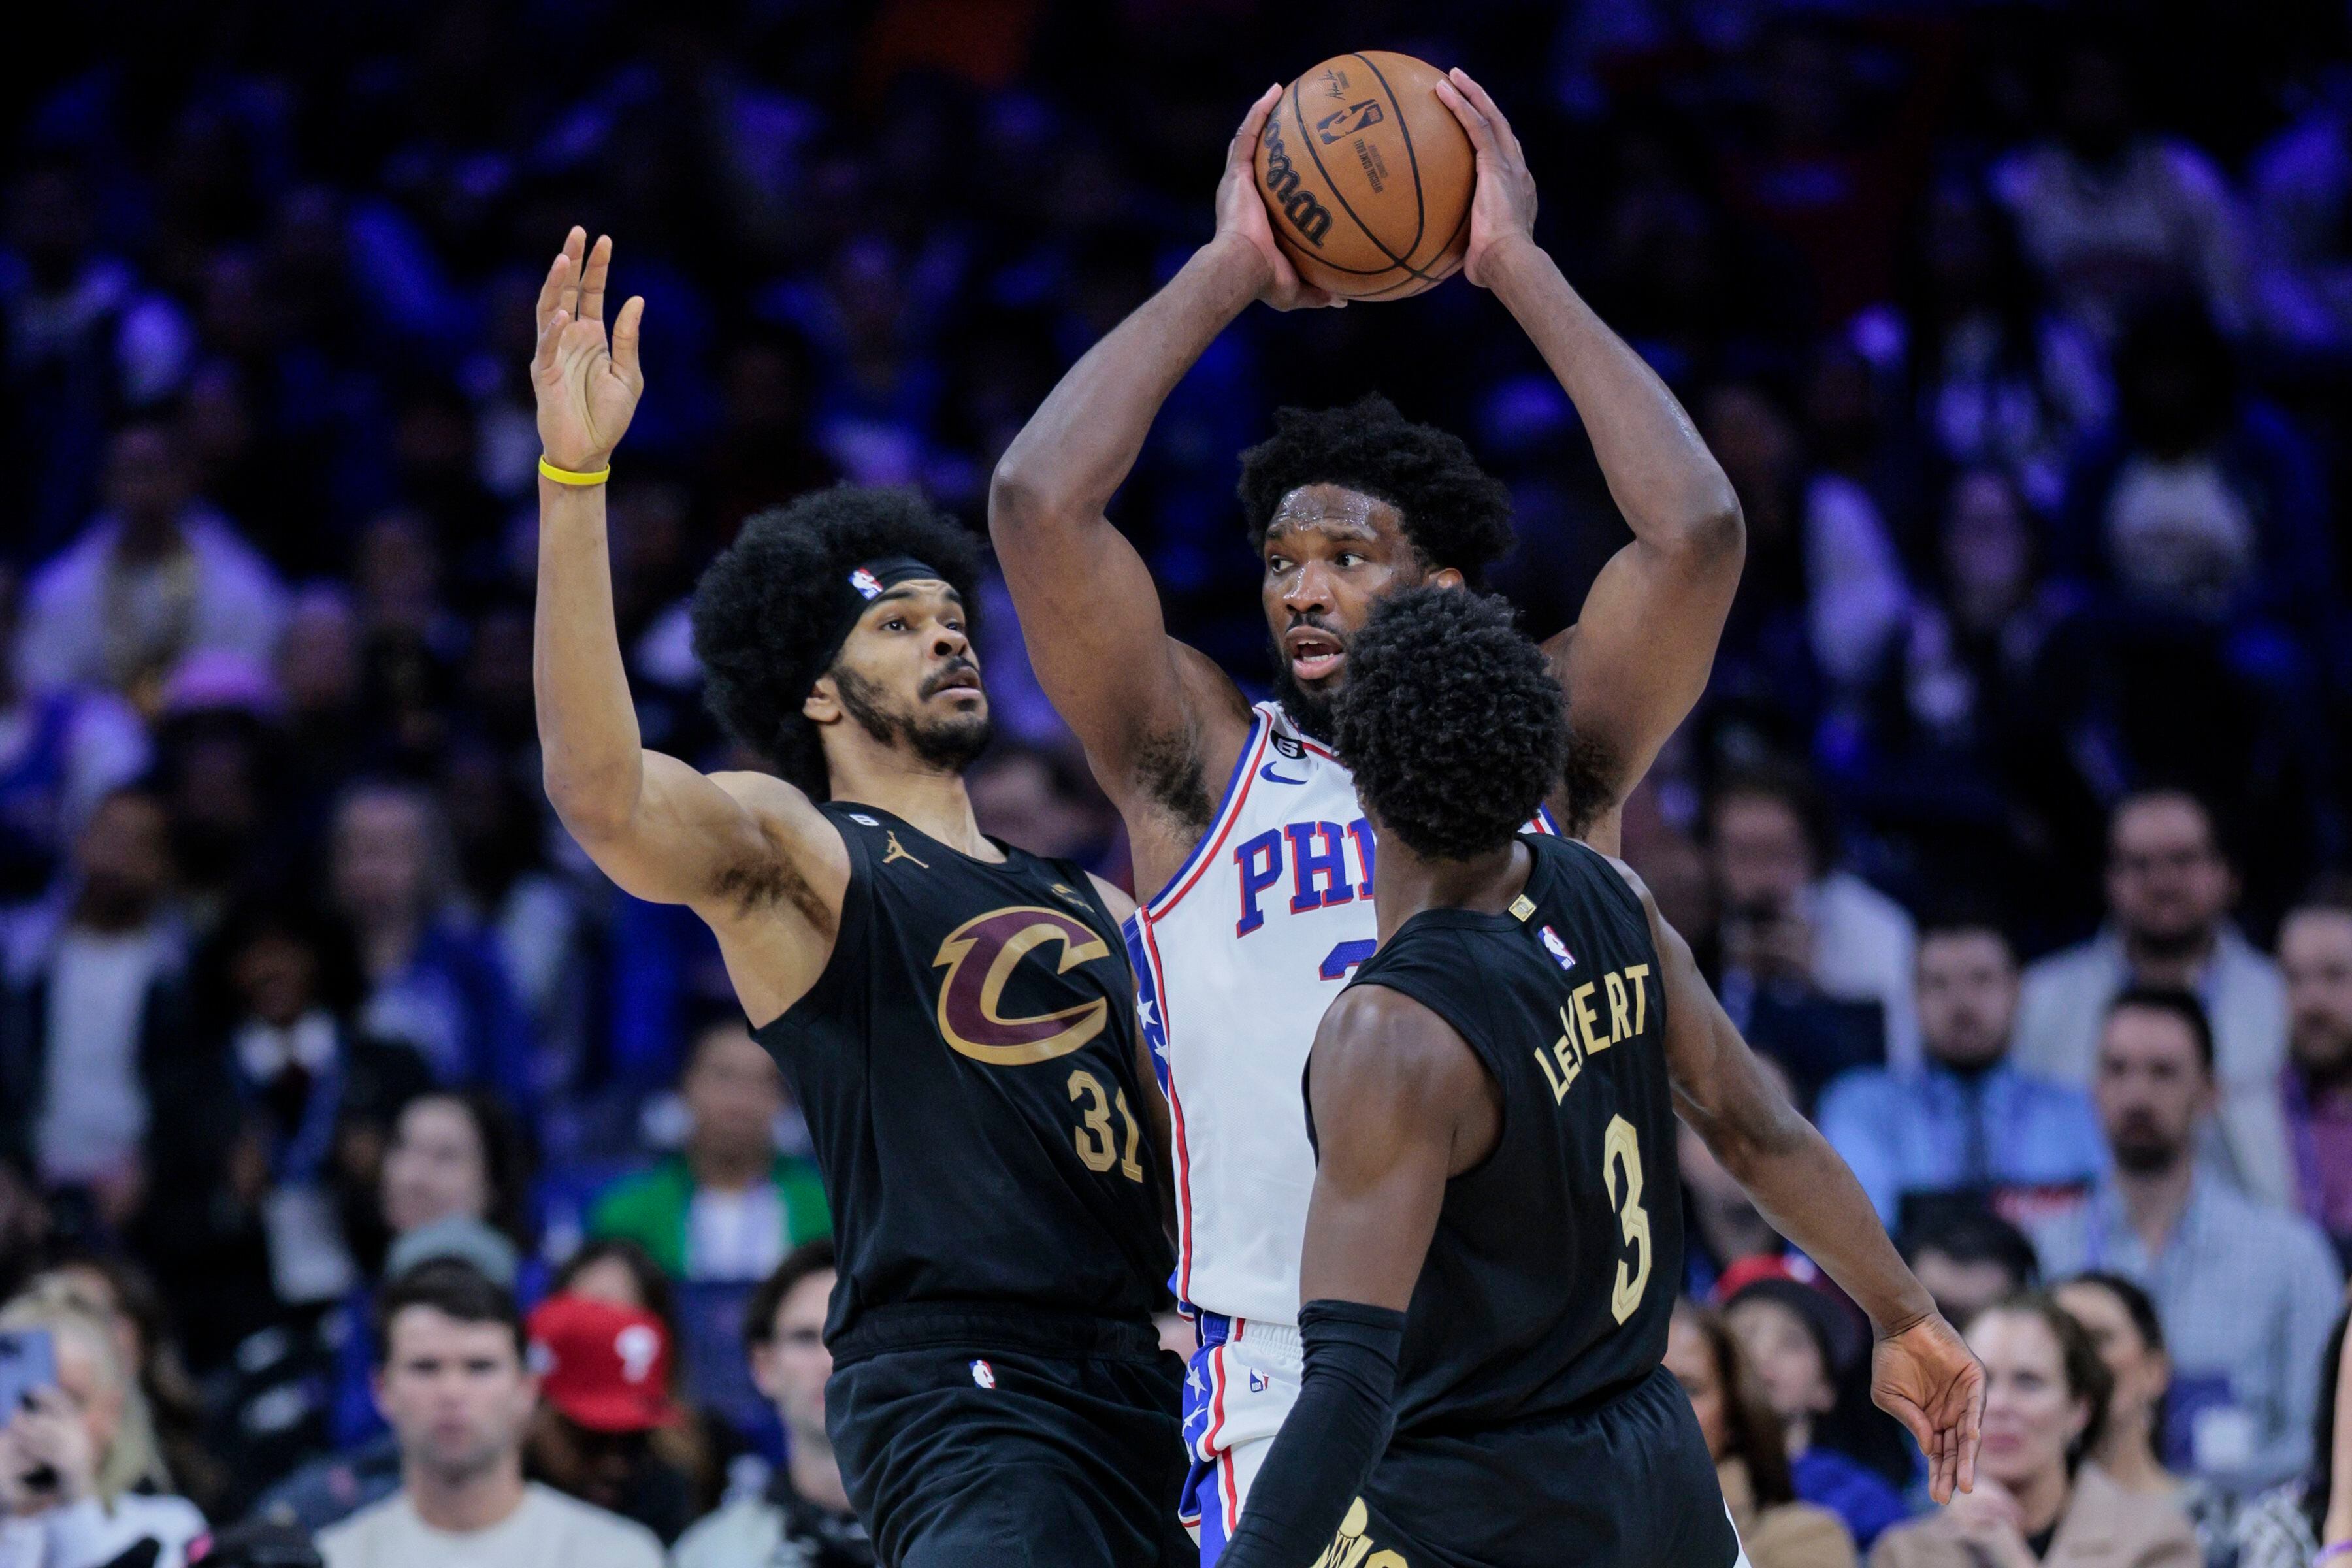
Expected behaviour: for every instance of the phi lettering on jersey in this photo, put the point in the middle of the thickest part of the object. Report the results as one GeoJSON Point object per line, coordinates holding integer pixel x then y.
{"type": "Point", "coordinates": [1323, 863]}
{"type": "Point", "coordinates": [1627, 994]}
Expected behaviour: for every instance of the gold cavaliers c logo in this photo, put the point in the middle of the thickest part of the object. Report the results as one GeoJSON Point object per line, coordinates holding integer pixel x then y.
{"type": "Point", "coordinates": [980, 957]}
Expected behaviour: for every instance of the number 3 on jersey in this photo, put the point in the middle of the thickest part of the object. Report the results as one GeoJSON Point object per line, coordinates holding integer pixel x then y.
{"type": "Point", "coordinates": [1093, 1136]}
{"type": "Point", "coordinates": [1621, 1147]}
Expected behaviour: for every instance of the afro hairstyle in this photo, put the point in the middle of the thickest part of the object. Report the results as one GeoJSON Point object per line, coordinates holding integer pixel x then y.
{"type": "Point", "coordinates": [1454, 512]}
{"type": "Point", "coordinates": [1451, 719]}
{"type": "Point", "coordinates": [766, 606]}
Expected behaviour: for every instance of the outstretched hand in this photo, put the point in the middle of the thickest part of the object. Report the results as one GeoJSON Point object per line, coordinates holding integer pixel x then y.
{"type": "Point", "coordinates": [1926, 1378]}
{"type": "Point", "coordinates": [1503, 207]}
{"type": "Point", "coordinates": [1241, 213]}
{"type": "Point", "coordinates": [587, 390]}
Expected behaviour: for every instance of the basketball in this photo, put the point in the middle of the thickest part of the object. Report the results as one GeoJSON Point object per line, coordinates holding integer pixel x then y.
{"type": "Point", "coordinates": [1367, 177]}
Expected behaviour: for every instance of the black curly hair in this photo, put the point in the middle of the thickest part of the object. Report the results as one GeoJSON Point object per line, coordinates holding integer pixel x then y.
{"type": "Point", "coordinates": [766, 608]}
{"type": "Point", "coordinates": [1454, 512]}
{"type": "Point", "coordinates": [1452, 720]}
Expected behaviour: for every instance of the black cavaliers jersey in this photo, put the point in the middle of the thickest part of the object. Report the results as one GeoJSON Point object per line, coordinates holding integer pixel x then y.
{"type": "Point", "coordinates": [967, 1065]}
{"type": "Point", "coordinates": [1552, 1274]}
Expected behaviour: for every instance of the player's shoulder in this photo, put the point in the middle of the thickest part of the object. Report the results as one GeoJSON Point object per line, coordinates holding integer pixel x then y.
{"type": "Point", "coordinates": [1374, 1032]}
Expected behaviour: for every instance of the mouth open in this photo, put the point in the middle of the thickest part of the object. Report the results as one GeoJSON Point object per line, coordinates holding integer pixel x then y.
{"type": "Point", "coordinates": [961, 679]}
{"type": "Point", "coordinates": [1315, 654]}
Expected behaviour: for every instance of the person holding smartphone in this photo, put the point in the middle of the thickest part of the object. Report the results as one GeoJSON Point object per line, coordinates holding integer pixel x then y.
{"type": "Point", "coordinates": [80, 1480]}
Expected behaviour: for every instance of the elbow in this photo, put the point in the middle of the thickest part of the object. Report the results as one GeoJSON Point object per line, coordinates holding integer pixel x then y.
{"type": "Point", "coordinates": [1017, 500]}
{"type": "Point", "coordinates": [1712, 531]}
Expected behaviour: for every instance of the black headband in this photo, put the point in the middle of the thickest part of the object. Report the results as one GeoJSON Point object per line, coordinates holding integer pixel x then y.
{"type": "Point", "coordinates": [860, 586]}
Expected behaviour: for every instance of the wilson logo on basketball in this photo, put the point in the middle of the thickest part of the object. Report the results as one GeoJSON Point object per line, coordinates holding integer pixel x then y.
{"type": "Point", "coordinates": [1356, 117]}
{"type": "Point", "coordinates": [982, 956]}
{"type": "Point", "coordinates": [1310, 217]}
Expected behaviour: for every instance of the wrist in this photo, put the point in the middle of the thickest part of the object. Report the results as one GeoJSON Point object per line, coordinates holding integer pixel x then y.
{"type": "Point", "coordinates": [1236, 255]}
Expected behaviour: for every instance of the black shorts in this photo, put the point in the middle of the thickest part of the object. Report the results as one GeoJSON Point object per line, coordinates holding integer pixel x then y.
{"type": "Point", "coordinates": [1626, 1484]}
{"type": "Point", "coordinates": [967, 1438]}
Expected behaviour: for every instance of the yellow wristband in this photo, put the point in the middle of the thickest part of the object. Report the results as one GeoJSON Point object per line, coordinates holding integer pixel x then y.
{"type": "Point", "coordinates": [566, 477]}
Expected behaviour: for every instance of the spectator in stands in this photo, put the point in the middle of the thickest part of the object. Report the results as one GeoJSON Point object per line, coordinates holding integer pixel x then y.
{"type": "Point", "coordinates": [2245, 1291]}
{"type": "Point", "coordinates": [2170, 891]}
{"type": "Point", "coordinates": [803, 1519]}
{"type": "Point", "coordinates": [2112, 215]}
{"type": "Point", "coordinates": [2037, 1499]}
{"type": "Point", "coordinates": [730, 1205]}
{"type": "Point", "coordinates": [1968, 1257]}
{"type": "Point", "coordinates": [454, 1385]}
{"type": "Point", "coordinates": [2284, 1527]}
{"type": "Point", "coordinates": [80, 1480]}
{"type": "Point", "coordinates": [1806, 1348]}
{"type": "Point", "coordinates": [1794, 926]}
{"type": "Point", "coordinates": [2121, 1321]}
{"type": "Point", "coordinates": [1744, 1436]}
{"type": "Point", "coordinates": [2315, 950]}
{"type": "Point", "coordinates": [61, 752]}
{"type": "Point", "coordinates": [1965, 1119]}
{"type": "Point", "coordinates": [604, 1382]}
{"type": "Point", "coordinates": [696, 1444]}
{"type": "Point", "coordinates": [91, 1019]}
{"type": "Point", "coordinates": [433, 980]}
{"type": "Point", "coordinates": [114, 1290]}
{"type": "Point", "coordinates": [154, 577]}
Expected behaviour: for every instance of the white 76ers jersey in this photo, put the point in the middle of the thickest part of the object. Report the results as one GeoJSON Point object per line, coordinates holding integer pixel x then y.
{"type": "Point", "coordinates": [1235, 960]}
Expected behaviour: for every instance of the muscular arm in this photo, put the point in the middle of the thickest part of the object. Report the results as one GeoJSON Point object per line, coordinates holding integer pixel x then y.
{"type": "Point", "coordinates": [1400, 1104]}
{"type": "Point", "coordinates": [1922, 1375]}
{"type": "Point", "coordinates": [727, 845]}
{"type": "Point", "coordinates": [1143, 704]}
{"type": "Point", "coordinates": [1638, 656]}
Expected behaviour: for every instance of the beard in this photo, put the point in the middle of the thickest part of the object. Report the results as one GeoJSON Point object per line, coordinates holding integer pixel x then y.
{"type": "Point", "coordinates": [2142, 1149]}
{"type": "Point", "coordinates": [949, 744]}
{"type": "Point", "coordinates": [1314, 713]}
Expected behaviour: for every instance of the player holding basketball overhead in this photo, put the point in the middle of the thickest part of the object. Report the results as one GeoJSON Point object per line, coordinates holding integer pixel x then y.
{"type": "Point", "coordinates": [1261, 904]}
{"type": "Point", "coordinates": [1494, 1241]}
{"type": "Point", "coordinates": [955, 1017]}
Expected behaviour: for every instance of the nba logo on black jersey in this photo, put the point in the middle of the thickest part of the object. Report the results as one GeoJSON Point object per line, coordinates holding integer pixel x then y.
{"type": "Point", "coordinates": [982, 1373]}
{"type": "Point", "coordinates": [1559, 949]}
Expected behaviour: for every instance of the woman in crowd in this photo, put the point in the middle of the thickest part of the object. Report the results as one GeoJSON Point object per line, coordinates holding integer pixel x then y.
{"type": "Point", "coordinates": [2284, 1528]}
{"type": "Point", "coordinates": [456, 1179]}
{"type": "Point", "coordinates": [80, 1480]}
{"type": "Point", "coordinates": [1804, 1346]}
{"type": "Point", "coordinates": [2121, 1320]}
{"type": "Point", "coordinates": [1743, 1434]}
{"type": "Point", "coordinates": [2038, 1502]}
{"type": "Point", "coordinates": [118, 1293]}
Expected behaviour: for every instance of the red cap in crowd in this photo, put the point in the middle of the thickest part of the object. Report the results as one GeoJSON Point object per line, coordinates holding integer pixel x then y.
{"type": "Point", "coordinates": [602, 1365]}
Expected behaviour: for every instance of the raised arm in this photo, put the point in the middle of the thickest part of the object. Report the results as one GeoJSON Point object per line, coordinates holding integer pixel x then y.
{"type": "Point", "coordinates": [1921, 1372]}
{"type": "Point", "coordinates": [1140, 700]}
{"type": "Point", "coordinates": [729, 844]}
{"type": "Point", "coordinates": [1638, 656]}
{"type": "Point", "coordinates": [1400, 1104]}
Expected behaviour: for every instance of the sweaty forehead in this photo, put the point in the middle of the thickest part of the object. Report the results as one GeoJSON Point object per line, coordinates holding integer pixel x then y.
{"type": "Point", "coordinates": [1333, 509]}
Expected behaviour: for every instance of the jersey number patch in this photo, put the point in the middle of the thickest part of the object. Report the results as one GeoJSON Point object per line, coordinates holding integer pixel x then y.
{"type": "Point", "coordinates": [1096, 1138]}
{"type": "Point", "coordinates": [1621, 1148]}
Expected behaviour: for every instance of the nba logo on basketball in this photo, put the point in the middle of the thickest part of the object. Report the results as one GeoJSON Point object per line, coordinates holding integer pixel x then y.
{"type": "Point", "coordinates": [1560, 953]}
{"type": "Point", "coordinates": [983, 1374]}
{"type": "Point", "coordinates": [866, 582]}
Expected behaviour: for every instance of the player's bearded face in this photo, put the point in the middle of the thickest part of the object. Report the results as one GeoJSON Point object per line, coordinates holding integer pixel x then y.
{"type": "Point", "coordinates": [946, 725]}
{"type": "Point", "coordinates": [1330, 554]}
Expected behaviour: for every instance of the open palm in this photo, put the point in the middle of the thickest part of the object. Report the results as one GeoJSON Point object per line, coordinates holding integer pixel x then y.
{"type": "Point", "coordinates": [587, 389]}
{"type": "Point", "coordinates": [1926, 1378]}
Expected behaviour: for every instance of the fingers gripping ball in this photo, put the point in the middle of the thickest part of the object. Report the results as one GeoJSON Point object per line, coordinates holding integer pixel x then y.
{"type": "Point", "coordinates": [1368, 177]}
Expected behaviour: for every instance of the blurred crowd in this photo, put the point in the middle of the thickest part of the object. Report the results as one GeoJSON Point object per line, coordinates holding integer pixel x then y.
{"type": "Point", "coordinates": [2013, 827]}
